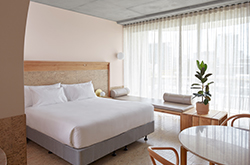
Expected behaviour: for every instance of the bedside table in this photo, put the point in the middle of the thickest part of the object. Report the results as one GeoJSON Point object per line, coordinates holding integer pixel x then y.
{"type": "Point", "coordinates": [191, 118]}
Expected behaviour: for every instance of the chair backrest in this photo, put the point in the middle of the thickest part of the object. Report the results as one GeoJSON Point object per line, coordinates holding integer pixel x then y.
{"type": "Point", "coordinates": [153, 155]}
{"type": "Point", "coordinates": [235, 117]}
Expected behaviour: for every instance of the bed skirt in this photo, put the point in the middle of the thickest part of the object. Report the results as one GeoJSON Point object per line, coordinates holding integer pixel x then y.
{"type": "Point", "coordinates": [84, 156]}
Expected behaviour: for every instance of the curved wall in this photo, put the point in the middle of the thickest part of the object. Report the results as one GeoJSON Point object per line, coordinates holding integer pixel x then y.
{"type": "Point", "coordinates": [13, 14]}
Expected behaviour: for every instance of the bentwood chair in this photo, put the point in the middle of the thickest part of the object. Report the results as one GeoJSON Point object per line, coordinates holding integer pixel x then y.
{"type": "Point", "coordinates": [153, 155]}
{"type": "Point", "coordinates": [235, 117]}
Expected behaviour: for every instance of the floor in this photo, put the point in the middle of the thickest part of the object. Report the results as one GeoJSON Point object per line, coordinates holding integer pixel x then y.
{"type": "Point", "coordinates": [166, 132]}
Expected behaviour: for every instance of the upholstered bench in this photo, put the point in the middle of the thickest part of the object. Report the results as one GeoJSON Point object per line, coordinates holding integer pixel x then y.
{"type": "Point", "coordinates": [171, 103]}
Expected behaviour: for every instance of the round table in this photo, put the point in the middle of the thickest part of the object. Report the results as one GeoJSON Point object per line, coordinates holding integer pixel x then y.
{"type": "Point", "coordinates": [3, 159]}
{"type": "Point", "coordinates": [217, 144]}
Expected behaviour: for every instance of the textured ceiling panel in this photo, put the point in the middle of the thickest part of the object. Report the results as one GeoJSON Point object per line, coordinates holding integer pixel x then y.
{"type": "Point", "coordinates": [128, 3]}
{"type": "Point", "coordinates": [64, 4]}
{"type": "Point", "coordinates": [165, 5]}
{"type": "Point", "coordinates": [106, 10]}
{"type": "Point", "coordinates": [124, 11]}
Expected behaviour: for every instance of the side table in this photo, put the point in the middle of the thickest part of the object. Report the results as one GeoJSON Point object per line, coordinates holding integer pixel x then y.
{"type": "Point", "coordinates": [191, 118]}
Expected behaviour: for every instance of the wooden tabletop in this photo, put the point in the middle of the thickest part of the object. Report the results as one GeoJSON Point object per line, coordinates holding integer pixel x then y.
{"type": "Point", "coordinates": [218, 144]}
{"type": "Point", "coordinates": [211, 114]}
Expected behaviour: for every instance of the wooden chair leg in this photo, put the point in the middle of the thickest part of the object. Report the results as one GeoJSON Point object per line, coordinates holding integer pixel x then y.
{"type": "Point", "coordinates": [183, 156]}
{"type": "Point", "coordinates": [153, 160]}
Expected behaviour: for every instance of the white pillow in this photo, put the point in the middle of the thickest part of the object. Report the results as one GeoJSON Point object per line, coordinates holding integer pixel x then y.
{"type": "Point", "coordinates": [47, 96]}
{"type": "Point", "coordinates": [27, 92]}
{"type": "Point", "coordinates": [79, 91]}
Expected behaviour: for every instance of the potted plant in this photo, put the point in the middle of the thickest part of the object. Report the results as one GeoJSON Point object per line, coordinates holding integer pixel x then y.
{"type": "Point", "coordinates": [202, 106]}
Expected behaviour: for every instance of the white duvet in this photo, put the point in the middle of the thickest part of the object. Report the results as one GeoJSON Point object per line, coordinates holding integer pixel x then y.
{"type": "Point", "coordinates": [83, 123]}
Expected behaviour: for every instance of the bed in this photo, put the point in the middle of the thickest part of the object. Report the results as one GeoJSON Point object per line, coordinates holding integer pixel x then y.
{"type": "Point", "coordinates": [107, 124]}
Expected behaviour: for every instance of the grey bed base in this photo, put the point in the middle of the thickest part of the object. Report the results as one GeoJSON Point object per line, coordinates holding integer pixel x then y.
{"type": "Point", "coordinates": [89, 154]}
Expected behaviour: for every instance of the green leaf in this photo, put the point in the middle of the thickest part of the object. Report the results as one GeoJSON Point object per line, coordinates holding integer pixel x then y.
{"type": "Point", "coordinates": [202, 71]}
{"type": "Point", "coordinates": [197, 94]}
{"type": "Point", "coordinates": [198, 64]}
{"type": "Point", "coordinates": [198, 76]}
{"type": "Point", "coordinates": [200, 92]}
{"type": "Point", "coordinates": [210, 83]}
{"type": "Point", "coordinates": [207, 75]}
{"type": "Point", "coordinates": [208, 98]}
{"type": "Point", "coordinates": [207, 88]}
{"type": "Point", "coordinates": [207, 94]}
{"type": "Point", "coordinates": [202, 65]}
{"type": "Point", "coordinates": [198, 72]}
{"type": "Point", "coordinates": [195, 84]}
{"type": "Point", "coordinates": [205, 67]}
{"type": "Point", "coordinates": [204, 80]}
{"type": "Point", "coordinates": [205, 101]}
{"type": "Point", "coordinates": [195, 87]}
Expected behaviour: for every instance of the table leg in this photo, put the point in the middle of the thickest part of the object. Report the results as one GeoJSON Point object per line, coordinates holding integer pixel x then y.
{"type": "Point", "coordinates": [183, 156]}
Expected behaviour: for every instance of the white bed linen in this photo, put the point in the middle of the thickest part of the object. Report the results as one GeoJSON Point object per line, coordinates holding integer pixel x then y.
{"type": "Point", "coordinates": [85, 122]}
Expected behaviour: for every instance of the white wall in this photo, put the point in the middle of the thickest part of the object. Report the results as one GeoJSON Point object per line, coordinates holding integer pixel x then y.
{"type": "Point", "coordinates": [54, 34]}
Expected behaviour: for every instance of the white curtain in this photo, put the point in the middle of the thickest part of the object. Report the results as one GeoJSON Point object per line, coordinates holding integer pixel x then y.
{"type": "Point", "coordinates": [160, 56]}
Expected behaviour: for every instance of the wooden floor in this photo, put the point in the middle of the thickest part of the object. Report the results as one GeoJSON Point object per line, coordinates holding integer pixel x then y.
{"type": "Point", "coordinates": [166, 132]}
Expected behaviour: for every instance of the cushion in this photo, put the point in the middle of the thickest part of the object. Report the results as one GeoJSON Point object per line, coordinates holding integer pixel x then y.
{"type": "Point", "coordinates": [170, 106]}
{"type": "Point", "coordinates": [119, 92]}
{"type": "Point", "coordinates": [27, 92]}
{"type": "Point", "coordinates": [79, 91]}
{"type": "Point", "coordinates": [177, 98]}
{"type": "Point", "coordinates": [158, 103]}
{"type": "Point", "coordinates": [47, 96]}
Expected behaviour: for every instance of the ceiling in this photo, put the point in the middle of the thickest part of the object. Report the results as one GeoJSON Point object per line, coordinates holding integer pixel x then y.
{"type": "Point", "coordinates": [127, 11]}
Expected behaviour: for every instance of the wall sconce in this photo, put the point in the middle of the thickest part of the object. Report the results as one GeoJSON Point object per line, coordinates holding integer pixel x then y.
{"type": "Point", "coordinates": [120, 56]}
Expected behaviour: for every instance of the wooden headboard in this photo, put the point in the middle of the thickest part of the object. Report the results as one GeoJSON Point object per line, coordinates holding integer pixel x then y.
{"type": "Point", "coordinates": [51, 72]}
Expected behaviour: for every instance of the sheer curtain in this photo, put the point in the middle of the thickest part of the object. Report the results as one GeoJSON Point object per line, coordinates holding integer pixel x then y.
{"type": "Point", "coordinates": [160, 56]}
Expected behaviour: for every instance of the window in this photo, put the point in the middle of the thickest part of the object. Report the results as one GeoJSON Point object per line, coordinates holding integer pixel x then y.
{"type": "Point", "coordinates": [161, 56]}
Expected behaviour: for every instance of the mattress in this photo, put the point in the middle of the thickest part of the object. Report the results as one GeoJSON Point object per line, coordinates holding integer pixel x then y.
{"type": "Point", "coordinates": [83, 123]}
